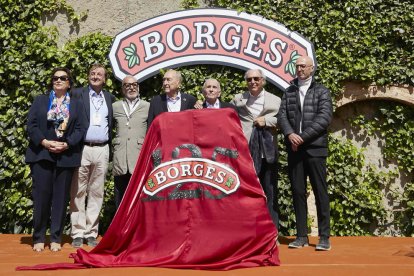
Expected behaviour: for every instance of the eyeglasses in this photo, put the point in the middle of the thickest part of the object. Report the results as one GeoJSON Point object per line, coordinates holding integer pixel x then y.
{"type": "Point", "coordinates": [62, 78]}
{"type": "Point", "coordinates": [129, 85]}
{"type": "Point", "coordinates": [302, 66]}
{"type": "Point", "coordinates": [253, 78]}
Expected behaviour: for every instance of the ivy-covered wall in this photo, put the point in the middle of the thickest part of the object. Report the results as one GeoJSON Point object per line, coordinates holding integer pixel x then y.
{"type": "Point", "coordinates": [360, 40]}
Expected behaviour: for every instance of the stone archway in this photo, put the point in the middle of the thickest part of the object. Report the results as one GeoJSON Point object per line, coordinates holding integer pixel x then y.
{"type": "Point", "coordinates": [358, 92]}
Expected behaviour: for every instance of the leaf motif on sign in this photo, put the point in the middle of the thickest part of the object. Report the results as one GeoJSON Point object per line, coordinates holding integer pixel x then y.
{"type": "Point", "coordinates": [229, 182]}
{"type": "Point", "coordinates": [151, 183]}
{"type": "Point", "coordinates": [290, 66]}
{"type": "Point", "coordinates": [131, 55]}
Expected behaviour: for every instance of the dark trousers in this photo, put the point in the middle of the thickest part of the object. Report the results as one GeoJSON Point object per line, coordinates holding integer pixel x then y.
{"type": "Point", "coordinates": [268, 180]}
{"type": "Point", "coordinates": [121, 183]}
{"type": "Point", "coordinates": [301, 165]}
{"type": "Point", "coordinates": [50, 192]}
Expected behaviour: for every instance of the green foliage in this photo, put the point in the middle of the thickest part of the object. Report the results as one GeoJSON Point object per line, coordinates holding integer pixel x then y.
{"type": "Point", "coordinates": [405, 216]}
{"type": "Point", "coordinates": [363, 40]}
{"type": "Point", "coordinates": [231, 80]}
{"type": "Point", "coordinates": [398, 141]}
{"type": "Point", "coordinates": [80, 54]}
{"type": "Point", "coordinates": [370, 41]}
{"type": "Point", "coordinates": [189, 4]}
{"type": "Point", "coordinates": [287, 226]}
{"type": "Point", "coordinates": [355, 191]}
{"type": "Point", "coordinates": [394, 126]}
{"type": "Point", "coordinates": [27, 53]}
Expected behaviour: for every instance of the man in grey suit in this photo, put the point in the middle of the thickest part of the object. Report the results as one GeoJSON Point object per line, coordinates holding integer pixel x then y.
{"type": "Point", "coordinates": [130, 115]}
{"type": "Point", "coordinates": [257, 111]}
{"type": "Point", "coordinates": [89, 179]}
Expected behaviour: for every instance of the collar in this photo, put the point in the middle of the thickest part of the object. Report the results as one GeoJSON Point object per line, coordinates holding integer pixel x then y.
{"type": "Point", "coordinates": [258, 96]}
{"type": "Point", "coordinates": [133, 102]}
{"type": "Point", "coordinates": [94, 93]}
{"type": "Point", "coordinates": [295, 82]}
{"type": "Point", "coordinates": [215, 105]}
{"type": "Point", "coordinates": [174, 99]}
{"type": "Point", "coordinates": [306, 82]}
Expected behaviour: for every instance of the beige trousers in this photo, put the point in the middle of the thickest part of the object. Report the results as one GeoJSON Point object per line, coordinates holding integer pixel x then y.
{"type": "Point", "coordinates": [88, 182]}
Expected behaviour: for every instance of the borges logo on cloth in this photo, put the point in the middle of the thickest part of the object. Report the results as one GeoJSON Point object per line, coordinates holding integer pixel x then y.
{"type": "Point", "coordinates": [209, 36]}
{"type": "Point", "coordinates": [198, 170]}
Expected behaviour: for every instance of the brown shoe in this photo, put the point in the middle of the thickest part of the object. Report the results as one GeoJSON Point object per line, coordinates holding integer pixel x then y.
{"type": "Point", "coordinates": [55, 247]}
{"type": "Point", "coordinates": [38, 247]}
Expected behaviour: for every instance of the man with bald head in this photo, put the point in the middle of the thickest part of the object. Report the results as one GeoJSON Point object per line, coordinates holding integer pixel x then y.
{"type": "Point", "coordinates": [130, 116]}
{"type": "Point", "coordinates": [304, 117]}
{"type": "Point", "coordinates": [173, 100]}
{"type": "Point", "coordinates": [211, 92]}
{"type": "Point", "coordinates": [257, 111]}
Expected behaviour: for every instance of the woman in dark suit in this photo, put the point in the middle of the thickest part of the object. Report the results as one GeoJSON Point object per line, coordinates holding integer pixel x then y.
{"type": "Point", "coordinates": [56, 128]}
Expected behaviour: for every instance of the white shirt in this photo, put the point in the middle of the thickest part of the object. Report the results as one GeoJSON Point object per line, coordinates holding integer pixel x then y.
{"type": "Point", "coordinates": [132, 104]}
{"type": "Point", "coordinates": [255, 104]}
{"type": "Point", "coordinates": [98, 126]}
{"type": "Point", "coordinates": [174, 104]}
{"type": "Point", "coordinates": [215, 105]}
{"type": "Point", "coordinates": [303, 89]}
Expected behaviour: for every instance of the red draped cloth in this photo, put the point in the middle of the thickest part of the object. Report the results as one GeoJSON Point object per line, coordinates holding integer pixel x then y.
{"type": "Point", "coordinates": [194, 201]}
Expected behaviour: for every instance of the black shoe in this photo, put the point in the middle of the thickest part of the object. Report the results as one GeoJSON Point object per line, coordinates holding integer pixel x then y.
{"type": "Point", "coordinates": [91, 241]}
{"type": "Point", "coordinates": [324, 244]}
{"type": "Point", "coordinates": [77, 242]}
{"type": "Point", "coordinates": [299, 242]}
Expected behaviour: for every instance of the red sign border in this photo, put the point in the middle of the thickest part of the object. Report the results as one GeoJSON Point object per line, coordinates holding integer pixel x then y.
{"type": "Point", "coordinates": [212, 59]}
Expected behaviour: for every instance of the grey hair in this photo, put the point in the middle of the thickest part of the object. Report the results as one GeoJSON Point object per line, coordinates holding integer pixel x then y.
{"type": "Point", "coordinates": [177, 75]}
{"type": "Point", "coordinates": [211, 79]}
{"type": "Point", "coordinates": [129, 76]}
{"type": "Point", "coordinates": [261, 73]}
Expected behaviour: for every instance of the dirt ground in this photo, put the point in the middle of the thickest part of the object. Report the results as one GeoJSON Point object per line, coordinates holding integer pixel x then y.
{"type": "Point", "coordinates": [349, 256]}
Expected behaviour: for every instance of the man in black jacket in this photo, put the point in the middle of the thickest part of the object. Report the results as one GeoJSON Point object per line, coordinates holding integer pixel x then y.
{"type": "Point", "coordinates": [304, 117]}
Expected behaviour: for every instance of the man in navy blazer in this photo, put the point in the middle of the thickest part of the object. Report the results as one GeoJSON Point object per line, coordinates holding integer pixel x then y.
{"type": "Point", "coordinates": [173, 100]}
{"type": "Point", "coordinates": [89, 179]}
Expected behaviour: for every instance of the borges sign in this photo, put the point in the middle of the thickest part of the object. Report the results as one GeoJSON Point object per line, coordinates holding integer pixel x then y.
{"type": "Point", "coordinates": [209, 36]}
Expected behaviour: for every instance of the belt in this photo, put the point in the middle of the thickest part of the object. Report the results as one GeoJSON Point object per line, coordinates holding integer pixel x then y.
{"type": "Point", "coordinates": [91, 144]}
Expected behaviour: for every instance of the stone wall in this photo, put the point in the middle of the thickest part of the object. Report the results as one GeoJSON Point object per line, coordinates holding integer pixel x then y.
{"type": "Point", "coordinates": [109, 17]}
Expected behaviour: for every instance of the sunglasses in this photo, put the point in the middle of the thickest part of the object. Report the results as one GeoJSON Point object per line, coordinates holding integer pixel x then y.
{"type": "Point", "coordinates": [62, 78]}
{"type": "Point", "coordinates": [129, 85]}
{"type": "Point", "coordinates": [302, 66]}
{"type": "Point", "coordinates": [253, 78]}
